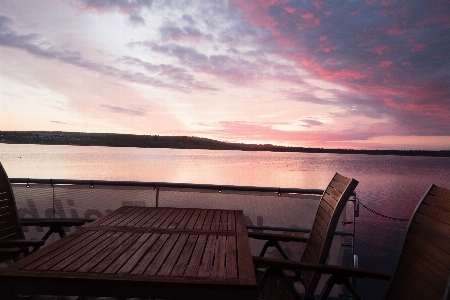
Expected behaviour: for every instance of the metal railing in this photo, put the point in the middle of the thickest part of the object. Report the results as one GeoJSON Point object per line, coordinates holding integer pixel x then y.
{"type": "Point", "coordinates": [65, 197]}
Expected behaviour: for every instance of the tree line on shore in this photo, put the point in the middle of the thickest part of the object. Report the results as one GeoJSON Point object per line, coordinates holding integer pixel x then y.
{"type": "Point", "coordinates": [178, 142]}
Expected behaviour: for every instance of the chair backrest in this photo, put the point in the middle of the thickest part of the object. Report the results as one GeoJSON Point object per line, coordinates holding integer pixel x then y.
{"type": "Point", "coordinates": [330, 208]}
{"type": "Point", "coordinates": [423, 268]}
{"type": "Point", "coordinates": [9, 219]}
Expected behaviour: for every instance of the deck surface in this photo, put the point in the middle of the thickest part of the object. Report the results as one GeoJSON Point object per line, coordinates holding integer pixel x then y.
{"type": "Point", "coordinates": [144, 252]}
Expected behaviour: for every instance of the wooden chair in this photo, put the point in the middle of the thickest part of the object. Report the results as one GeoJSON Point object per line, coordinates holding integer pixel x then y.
{"type": "Point", "coordinates": [12, 240]}
{"type": "Point", "coordinates": [423, 269]}
{"type": "Point", "coordinates": [274, 280]}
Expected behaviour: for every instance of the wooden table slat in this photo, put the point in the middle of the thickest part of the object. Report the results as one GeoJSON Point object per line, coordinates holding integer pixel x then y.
{"type": "Point", "coordinates": [115, 254]}
{"type": "Point", "coordinates": [180, 266]}
{"type": "Point", "coordinates": [196, 257]}
{"type": "Point", "coordinates": [216, 220]}
{"type": "Point", "coordinates": [73, 254]}
{"type": "Point", "coordinates": [208, 220]}
{"type": "Point", "coordinates": [184, 221]}
{"type": "Point", "coordinates": [160, 258]}
{"type": "Point", "coordinates": [97, 254]}
{"type": "Point", "coordinates": [170, 218]}
{"type": "Point", "coordinates": [231, 221]}
{"type": "Point", "coordinates": [150, 215]}
{"type": "Point", "coordinates": [218, 269]}
{"type": "Point", "coordinates": [231, 259]}
{"type": "Point", "coordinates": [174, 256]}
{"type": "Point", "coordinates": [147, 259]}
{"type": "Point", "coordinates": [200, 219]}
{"type": "Point", "coordinates": [47, 254]}
{"type": "Point", "coordinates": [166, 213]}
{"type": "Point", "coordinates": [193, 219]}
{"type": "Point", "coordinates": [117, 217]}
{"type": "Point", "coordinates": [136, 213]}
{"type": "Point", "coordinates": [144, 252]}
{"type": "Point", "coordinates": [223, 220]}
{"type": "Point", "coordinates": [125, 257]}
{"type": "Point", "coordinates": [139, 254]}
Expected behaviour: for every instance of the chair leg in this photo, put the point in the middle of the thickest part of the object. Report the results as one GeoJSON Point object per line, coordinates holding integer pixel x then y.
{"type": "Point", "coordinates": [271, 243]}
{"type": "Point", "coordinates": [336, 279]}
{"type": "Point", "coordinates": [281, 251]}
{"type": "Point", "coordinates": [327, 288]}
{"type": "Point", "coordinates": [289, 284]}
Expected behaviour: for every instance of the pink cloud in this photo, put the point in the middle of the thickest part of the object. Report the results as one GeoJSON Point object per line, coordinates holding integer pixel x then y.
{"type": "Point", "coordinates": [419, 47]}
{"type": "Point", "coordinates": [290, 10]}
{"type": "Point", "coordinates": [395, 31]}
{"type": "Point", "coordinates": [386, 63]}
{"type": "Point", "coordinates": [382, 49]}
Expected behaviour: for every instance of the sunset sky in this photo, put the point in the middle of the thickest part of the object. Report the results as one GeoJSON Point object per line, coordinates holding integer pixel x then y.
{"type": "Point", "coordinates": [334, 74]}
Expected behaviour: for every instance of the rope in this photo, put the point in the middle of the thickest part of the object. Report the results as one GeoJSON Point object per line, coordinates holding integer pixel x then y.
{"type": "Point", "coordinates": [380, 214]}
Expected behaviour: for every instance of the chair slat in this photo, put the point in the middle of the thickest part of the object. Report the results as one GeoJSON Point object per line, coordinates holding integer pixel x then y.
{"type": "Point", "coordinates": [438, 202]}
{"type": "Point", "coordinates": [440, 192]}
{"type": "Point", "coordinates": [433, 244]}
{"type": "Point", "coordinates": [420, 281]}
{"type": "Point", "coordinates": [433, 224]}
{"type": "Point", "coordinates": [408, 263]}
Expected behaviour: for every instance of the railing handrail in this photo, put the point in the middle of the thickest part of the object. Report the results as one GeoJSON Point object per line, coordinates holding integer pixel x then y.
{"type": "Point", "coordinates": [168, 184]}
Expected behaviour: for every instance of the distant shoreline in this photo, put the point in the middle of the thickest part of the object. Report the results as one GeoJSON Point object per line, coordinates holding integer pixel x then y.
{"type": "Point", "coordinates": [178, 142]}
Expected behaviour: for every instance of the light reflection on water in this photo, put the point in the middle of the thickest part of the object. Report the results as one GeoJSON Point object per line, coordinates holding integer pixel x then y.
{"type": "Point", "coordinates": [392, 185]}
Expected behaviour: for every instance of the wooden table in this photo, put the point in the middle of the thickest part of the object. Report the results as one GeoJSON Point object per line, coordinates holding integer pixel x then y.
{"type": "Point", "coordinates": [144, 252]}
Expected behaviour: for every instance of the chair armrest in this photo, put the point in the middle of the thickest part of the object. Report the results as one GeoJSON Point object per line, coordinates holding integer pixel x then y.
{"type": "Point", "coordinates": [48, 222]}
{"type": "Point", "coordinates": [320, 268]}
{"type": "Point", "coordinates": [277, 237]}
{"type": "Point", "coordinates": [20, 243]}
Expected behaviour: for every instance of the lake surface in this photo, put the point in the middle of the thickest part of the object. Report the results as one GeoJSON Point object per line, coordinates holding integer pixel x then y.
{"type": "Point", "coordinates": [392, 185]}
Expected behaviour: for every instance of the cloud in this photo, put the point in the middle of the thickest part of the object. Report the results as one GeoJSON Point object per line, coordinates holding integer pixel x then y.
{"type": "Point", "coordinates": [391, 56]}
{"type": "Point", "coordinates": [32, 43]}
{"type": "Point", "coordinates": [132, 8]}
{"type": "Point", "coordinates": [126, 111]}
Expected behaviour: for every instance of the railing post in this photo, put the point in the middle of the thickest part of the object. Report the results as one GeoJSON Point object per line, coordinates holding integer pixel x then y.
{"type": "Point", "coordinates": [53, 194]}
{"type": "Point", "coordinates": [157, 196]}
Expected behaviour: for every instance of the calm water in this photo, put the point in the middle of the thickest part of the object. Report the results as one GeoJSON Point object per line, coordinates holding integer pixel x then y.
{"type": "Point", "coordinates": [392, 185]}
